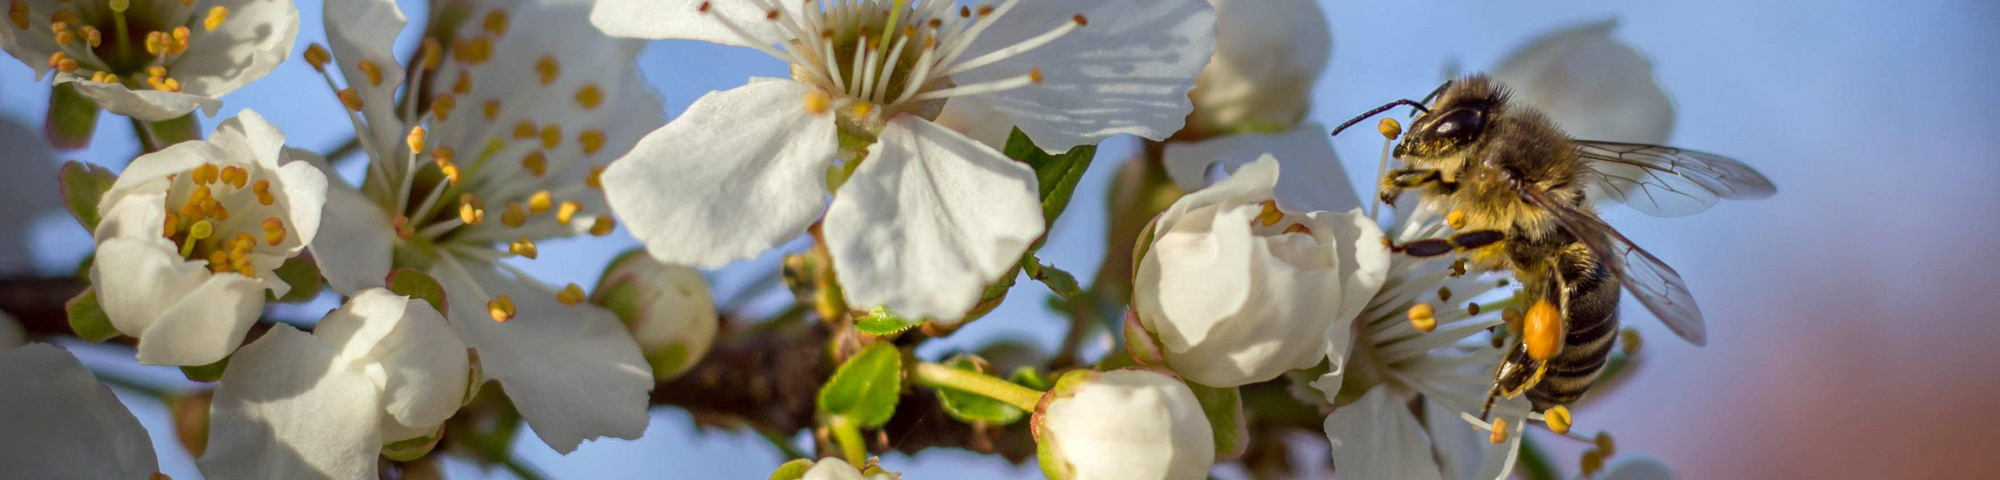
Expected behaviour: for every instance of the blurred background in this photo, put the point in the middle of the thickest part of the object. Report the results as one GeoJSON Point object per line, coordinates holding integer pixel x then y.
{"type": "Point", "coordinates": [1851, 316]}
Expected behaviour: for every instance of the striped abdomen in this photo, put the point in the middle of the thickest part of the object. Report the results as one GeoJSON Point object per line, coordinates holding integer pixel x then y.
{"type": "Point", "coordinates": [1590, 317]}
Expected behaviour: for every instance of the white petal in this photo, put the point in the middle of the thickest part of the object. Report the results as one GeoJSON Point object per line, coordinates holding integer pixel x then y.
{"type": "Point", "coordinates": [572, 370]}
{"type": "Point", "coordinates": [148, 173]}
{"type": "Point", "coordinates": [1314, 178]}
{"type": "Point", "coordinates": [1127, 72]}
{"type": "Point", "coordinates": [683, 19]}
{"type": "Point", "coordinates": [287, 408]}
{"type": "Point", "coordinates": [975, 117]}
{"type": "Point", "coordinates": [205, 325]}
{"type": "Point", "coordinates": [137, 278]}
{"type": "Point", "coordinates": [148, 105]}
{"type": "Point", "coordinates": [1131, 424]}
{"type": "Point", "coordinates": [1592, 85]}
{"type": "Point", "coordinates": [1268, 54]}
{"type": "Point", "coordinates": [1364, 266]}
{"type": "Point", "coordinates": [255, 38]}
{"type": "Point", "coordinates": [832, 469]}
{"type": "Point", "coordinates": [1460, 447]}
{"type": "Point", "coordinates": [354, 255]}
{"type": "Point", "coordinates": [929, 219]}
{"type": "Point", "coordinates": [61, 423]}
{"type": "Point", "coordinates": [1197, 272]}
{"type": "Point", "coordinates": [365, 30]}
{"type": "Point", "coordinates": [422, 359]}
{"type": "Point", "coordinates": [34, 44]}
{"type": "Point", "coordinates": [1637, 466]}
{"type": "Point", "coordinates": [304, 196]}
{"type": "Point", "coordinates": [249, 135]}
{"type": "Point", "coordinates": [740, 172]}
{"type": "Point", "coordinates": [1376, 437]}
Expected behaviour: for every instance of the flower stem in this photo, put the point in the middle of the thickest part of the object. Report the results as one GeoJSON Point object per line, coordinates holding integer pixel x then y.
{"type": "Point", "coordinates": [847, 434]}
{"type": "Point", "coordinates": [940, 376]}
{"type": "Point", "coordinates": [521, 469]}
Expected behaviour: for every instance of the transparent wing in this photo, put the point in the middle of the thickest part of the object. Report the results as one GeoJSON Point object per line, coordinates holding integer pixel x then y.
{"type": "Point", "coordinates": [1666, 181]}
{"type": "Point", "coordinates": [1653, 282]}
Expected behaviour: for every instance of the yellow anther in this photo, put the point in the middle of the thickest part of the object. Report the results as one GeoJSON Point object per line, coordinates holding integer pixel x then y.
{"type": "Point", "coordinates": [501, 307]}
{"type": "Point", "coordinates": [570, 294]}
{"type": "Point", "coordinates": [57, 58]}
{"type": "Point", "coordinates": [567, 210]}
{"type": "Point", "coordinates": [590, 96]}
{"type": "Point", "coordinates": [547, 69]}
{"type": "Point", "coordinates": [171, 226]}
{"type": "Point", "coordinates": [91, 35]}
{"type": "Point", "coordinates": [236, 176]}
{"type": "Point", "coordinates": [463, 84]}
{"type": "Point", "coordinates": [1558, 419]}
{"type": "Point", "coordinates": [69, 65]}
{"type": "Point", "coordinates": [200, 230]}
{"type": "Point", "coordinates": [443, 105]}
{"type": "Point", "coordinates": [1592, 462]}
{"type": "Point", "coordinates": [523, 247]}
{"type": "Point", "coordinates": [536, 163]}
{"type": "Point", "coordinates": [415, 139]}
{"type": "Point", "coordinates": [1298, 228]}
{"type": "Point", "coordinates": [103, 77]}
{"type": "Point", "coordinates": [862, 109]}
{"type": "Point", "coordinates": [433, 53]}
{"type": "Point", "coordinates": [473, 50]}
{"type": "Point", "coordinates": [242, 244]}
{"type": "Point", "coordinates": [372, 70]}
{"type": "Point", "coordinates": [317, 56]}
{"type": "Point", "coordinates": [1499, 431]}
{"type": "Point", "coordinates": [540, 202]}
{"type": "Point", "coordinates": [551, 136]}
{"type": "Point", "coordinates": [817, 101]}
{"type": "Point", "coordinates": [1630, 340]}
{"type": "Point", "coordinates": [204, 175]}
{"type": "Point", "coordinates": [1035, 76]}
{"type": "Point", "coordinates": [603, 226]}
{"type": "Point", "coordinates": [17, 14]}
{"type": "Point", "coordinates": [469, 210]}
{"type": "Point", "coordinates": [243, 266]}
{"type": "Point", "coordinates": [1444, 294]}
{"type": "Point", "coordinates": [170, 85]}
{"type": "Point", "coordinates": [1604, 444]}
{"type": "Point", "coordinates": [403, 229]}
{"type": "Point", "coordinates": [592, 140]}
{"type": "Point", "coordinates": [1270, 215]}
{"type": "Point", "coordinates": [525, 129]}
{"type": "Point", "coordinates": [1455, 219]}
{"type": "Point", "coordinates": [514, 216]}
{"type": "Point", "coordinates": [449, 169]}
{"type": "Point", "coordinates": [595, 179]}
{"type": "Point", "coordinates": [350, 99]}
{"type": "Point", "coordinates": [1542, 331]}
{"type": "Point", "coordinates": [1423, 316]}
{"type": "Point", "coordinates": [496, 23]}
{"type": "Point", "coordinates": [1511, 317]}
{"type": "Point", "coordinates": [218, 262]}
{"type": "Point", "coordinates": [215, 17]}
{"type": "Point", "coordinates": [156, 43]}
{"type": "Point", "coordinates": [58, 26]}
{"type": "Point", "coordinates": [1390, 128]}
{"type": "Point", "coordinates": [492, 110]}
{"type": "Point", "coordinates": [181, 37]}
{"type": "Point", "coordinates": [274, 231]}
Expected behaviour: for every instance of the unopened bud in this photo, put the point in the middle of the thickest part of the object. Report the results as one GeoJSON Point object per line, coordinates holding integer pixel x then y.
{"type": "Point", "coordinates": [668, 308]}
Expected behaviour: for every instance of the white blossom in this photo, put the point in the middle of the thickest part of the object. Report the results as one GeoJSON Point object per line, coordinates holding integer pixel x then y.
{"type": "Point", "coordinates": [1239, 289]}
{"type": "Point", "coordinates": [923, 217]}
{"type": "Point", "coordinates": [152, 59]}
{"type": "Point", "coordinates": [61, 423]}
{"type": "Point", "coordinates": [529, 101]}
{"type": "Point", "coordinates": [382, 368]}
{"type": "Point", "coordinates": [1268, 55]}
{"type": "Point", "coordinates": [1594, 86]}
{"type": "Point", "coordinates": [831, 468]}
{"type": "Point", "coordinates": [667, 307]}
{"type": "Point", "coordinates": [191, 234]}
{"type": "Point", "coordinates": [1123, 424]}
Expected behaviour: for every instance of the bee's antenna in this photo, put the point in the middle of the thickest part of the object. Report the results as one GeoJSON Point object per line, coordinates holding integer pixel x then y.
{"type": "Point", "coordinates": [1440, 90]}
{"type": "Point", "coordinates": [1378, 110]}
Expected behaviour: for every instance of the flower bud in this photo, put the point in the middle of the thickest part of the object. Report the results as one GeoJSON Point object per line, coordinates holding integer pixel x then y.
{"type": "Point", "coordinates": [667, 307]}
{"type": "Point", "coordinates": [829, 468]}
{"type": "Point", "coordinates": [1237, 288]}
{"type": "Point", "coordinates": [1268, 54]}
{"type": "Point", "coordinates": [1132, 423]}
{"type": "Point", "coordinates": [190, 415]}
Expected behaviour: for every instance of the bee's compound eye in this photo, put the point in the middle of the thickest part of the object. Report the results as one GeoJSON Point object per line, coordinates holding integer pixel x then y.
{"type": "Point", "coordinates": [1459, 124]}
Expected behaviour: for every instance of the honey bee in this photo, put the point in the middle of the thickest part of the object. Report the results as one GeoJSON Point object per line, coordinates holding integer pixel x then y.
{"type": "Point", "coordinates": [1521, 197]}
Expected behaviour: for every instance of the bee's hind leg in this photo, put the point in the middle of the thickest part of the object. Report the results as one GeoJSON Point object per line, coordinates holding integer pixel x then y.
{"type": "Point", "coordinates": [1461, 241]}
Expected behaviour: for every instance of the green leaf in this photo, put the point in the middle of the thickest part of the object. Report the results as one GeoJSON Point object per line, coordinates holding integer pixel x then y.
{"type": "Point", "coordinates": [1058, 174]}
{"type": "Point", "coordinates": [865, 388]}
{"type": "Point", "coordinates": [87, 319]}
{"type": "Point", "coordinates": [1059, 281]}
{"type": "Point", "coordinates": [72, 118]}
{"type": "Point", "coordinates": [881, 322]}
{"type": "Point", "coordinates": [206, 373]}
{"type": "Point", "coordinates": [302, 273]}
{"type": "Point", "coordinates": [176, 130]}
{"type": "Point", "coordinates": [1027, 376]}
{"type": "Point", "coordinates": [83, 185]}
{"type": "Point", "coordinates": [792, 470]}
{"type": "Point", "coordinates": [1224, 409]}
{"type": "Point", "coordinates": [971, 408]}
{"type": "Point", "coordinates": [410, 282]}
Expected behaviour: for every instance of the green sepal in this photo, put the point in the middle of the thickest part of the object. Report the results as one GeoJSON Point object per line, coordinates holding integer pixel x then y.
{"type": "Point", "coordinates": [72, 118]}
{"type": "Point", "coordinates": [302, 274]}
{"type": "Point", "coordinates": [176, 130]}
{"type": "Point", "coordinates": [1061, 282]}
{"type": "Point", "coordinates": [865, 389]}
{"type": "Point", "coordinates": [973, 408]}
{"type": "Point", "coordinates": [410, 282]}
{"type": "Point", "coordinates": [87, 319]}
{"type": "Point", "coordinates": [412, 449]}
{"type": "Point", "coordinates": [881, 322]}
{"type": "Point", "coordinates": [1056, 174]}
{"type": "Point", "coordinates": [792, 470]}
{"type": "Point", "coordinates": [83, 186]}
{"type": "Point", "coordinates": [206, 373]}
{"type": "Point", "coordinates": [1224, 409]}
{"type": "Point", "coordinates": [1027, 376]}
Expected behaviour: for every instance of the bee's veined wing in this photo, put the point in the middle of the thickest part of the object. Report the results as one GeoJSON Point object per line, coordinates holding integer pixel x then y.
{"type": "Point", "coordinates": [1665, 181]}
{"type": "Point", "coordinates": [1653, 282]}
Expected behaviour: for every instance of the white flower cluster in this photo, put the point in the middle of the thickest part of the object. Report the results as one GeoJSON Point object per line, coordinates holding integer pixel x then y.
{"type": "Point", "coordinates": [520, 122]}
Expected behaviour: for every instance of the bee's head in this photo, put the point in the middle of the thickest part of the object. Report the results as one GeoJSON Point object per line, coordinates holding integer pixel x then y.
{"type": "Point", "coordinates": [1458, 119]}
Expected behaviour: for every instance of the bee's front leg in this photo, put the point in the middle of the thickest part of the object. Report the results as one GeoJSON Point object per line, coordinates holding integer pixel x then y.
{"type": "Point", "coordinates": [1396, 181]}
